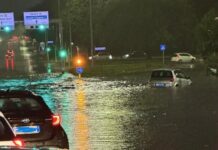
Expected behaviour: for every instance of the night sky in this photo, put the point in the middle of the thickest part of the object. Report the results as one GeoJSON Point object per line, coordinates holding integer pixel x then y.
{"type": "Point", "coordinates": [19, 6]}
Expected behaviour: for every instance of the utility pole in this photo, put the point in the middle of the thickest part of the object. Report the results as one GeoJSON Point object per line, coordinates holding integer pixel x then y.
{"type": "Point", "coordinates": [60, 26]}
{"type": "Point", "coordinates": [91, 30]}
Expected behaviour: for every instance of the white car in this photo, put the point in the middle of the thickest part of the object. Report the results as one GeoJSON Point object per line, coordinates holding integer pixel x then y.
{"type": "Point", "coordinates": [7, 136]}
{"type": "Point", "coordinates": [168, 78]}
{"type": "Point", "coordinates": [183, 57]}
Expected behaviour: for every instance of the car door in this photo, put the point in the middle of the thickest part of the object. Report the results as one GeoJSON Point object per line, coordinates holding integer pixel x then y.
{"type": "Point", "coordinates": [181, 78]}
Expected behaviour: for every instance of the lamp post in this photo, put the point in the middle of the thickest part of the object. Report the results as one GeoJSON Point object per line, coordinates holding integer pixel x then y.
{"type": "Point", "coordinates": [91, 30]}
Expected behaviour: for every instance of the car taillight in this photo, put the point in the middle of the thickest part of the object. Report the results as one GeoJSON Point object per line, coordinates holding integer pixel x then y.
{"type": "Point", "coordinates": [56, 120]}
{"type": "Point", "coordinates": [18, 142]}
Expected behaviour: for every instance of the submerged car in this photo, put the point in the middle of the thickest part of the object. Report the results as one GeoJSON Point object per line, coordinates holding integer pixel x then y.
{"type": "Point", "coordinates": [168, 78]}
{"type": "Point", "coordinates": [32, 120]}
{"type": "Point", "coordinates": [183, 57]}
{"type": "Point", "coordinates": [7, 137]}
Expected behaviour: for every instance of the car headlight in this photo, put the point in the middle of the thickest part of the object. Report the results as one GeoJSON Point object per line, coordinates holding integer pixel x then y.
{"type": "Point", "coordinates": [110, 57]}
{"type": "Point", "coordinates": [90, 57]}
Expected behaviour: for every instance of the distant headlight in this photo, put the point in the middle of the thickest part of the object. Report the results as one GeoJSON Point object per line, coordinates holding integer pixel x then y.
{"type": "Point", "coordinates": [90, 57]}
{"type": "Point", "coordinates": [126, 56]}
{"type": "Point", "coordinates": [110, 57]}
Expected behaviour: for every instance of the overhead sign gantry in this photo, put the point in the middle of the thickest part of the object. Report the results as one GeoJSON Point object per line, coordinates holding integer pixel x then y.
{"type": "Point", "coordinates": [36, 20]}
{"type": "Point", "coordinates": [7, 21]}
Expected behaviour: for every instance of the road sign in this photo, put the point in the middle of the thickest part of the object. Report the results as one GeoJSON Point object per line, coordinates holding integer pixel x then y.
{"type": "Point", "coordinates": [33, 20]}
{"type": "Point", "coordinates": [50, 42]}
{"type": "Point", "coordinates": [79, 70]}
{"type": "Point", "coordinates": [162, 47]}
{"type": "Point", "coordinates": [100, 48]}
{"type": "Point", "coordinates": [7, 21]}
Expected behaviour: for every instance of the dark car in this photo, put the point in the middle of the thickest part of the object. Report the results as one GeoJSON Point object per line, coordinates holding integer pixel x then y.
{"type": "Point", "coordinates": [7, 136]}
{"type": "Point", "coordinates": [137, 55]}
{"type": "Point", "coordinates": [212, 69]}
{"type": "Point", "coordinates": [32, 120]}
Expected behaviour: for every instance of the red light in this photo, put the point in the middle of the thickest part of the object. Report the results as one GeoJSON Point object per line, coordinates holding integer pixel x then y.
{"type": "Point", "coordinates": [56, 120]}
{"type": "Point", "coordinates": [18, 142]}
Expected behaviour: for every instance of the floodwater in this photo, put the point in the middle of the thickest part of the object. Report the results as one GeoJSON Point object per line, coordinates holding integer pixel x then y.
{"type": "Point", "coordinates": [124, 113]}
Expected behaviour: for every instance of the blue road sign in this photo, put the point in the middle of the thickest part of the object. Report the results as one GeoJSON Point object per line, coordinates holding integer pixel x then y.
{"type": "Point", "coordinates": [7, 21]}
{"type": "Point", "coordinates": [162, 47]}
{"type": "Point", "coordinates": [100, 48]}
{"type": "Point", "coordinates": [79, 70]}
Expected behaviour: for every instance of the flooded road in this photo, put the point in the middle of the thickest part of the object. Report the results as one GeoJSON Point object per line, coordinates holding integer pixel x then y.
{"type": "Point", "coordinates": [125, 114]}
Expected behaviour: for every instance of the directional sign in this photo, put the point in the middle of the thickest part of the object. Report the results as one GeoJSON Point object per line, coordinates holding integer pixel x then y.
{"type": "Point", "coordinates": [7, 21]}
{"type": "Point", "coordinates": [79, 70]}
{"type": "Point", "coordinates": [36, 19]}
{"type": "Point", "coordinates": [162, 47]}
{"type": "Point", "coordinates": [100, 48]}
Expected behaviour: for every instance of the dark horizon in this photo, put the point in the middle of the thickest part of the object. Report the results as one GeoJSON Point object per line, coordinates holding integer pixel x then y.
{"type": "Point", "coordinates": [20, 6]}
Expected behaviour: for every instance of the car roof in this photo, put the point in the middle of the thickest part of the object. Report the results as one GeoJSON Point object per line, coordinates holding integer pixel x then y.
{"type": "Point", "coordinates": [16, 93]}
{"type": "Point", "coordinates": [183, 53]}
{"type": "Point", "coordinates": [165, 69]}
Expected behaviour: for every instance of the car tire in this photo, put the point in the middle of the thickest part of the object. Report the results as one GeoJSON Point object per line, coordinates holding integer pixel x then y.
{"type": "Point", "coordinates": [180, 61]}
{"type": "Point", "coordinates": [61, 139]}
{"type": "Point", "coordinates": [193, 61]}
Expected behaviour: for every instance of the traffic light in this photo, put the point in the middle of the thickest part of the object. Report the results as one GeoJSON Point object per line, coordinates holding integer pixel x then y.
{"type": "Point", "coordinates": [6, 29]}
{"type": "Point", "coordinates": [49, 69]}
{"type": "Point", "coordinates": [48, 49]}
{"type": "Point", "coordinates": [78, 61]}
{"type": "Point", "coordinates": [42, 27]}
{"type": "Point", "coordinates": [62, 53]}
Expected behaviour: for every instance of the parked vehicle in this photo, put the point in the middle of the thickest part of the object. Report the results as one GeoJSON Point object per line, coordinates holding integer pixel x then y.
{"type": "Point", "coordinates": [183, 57]}
{"type": "Point", "coordinates": [32, 120]}
{"type": "Point", "coordinates": [168, 78]}
{"type": "Point", "coordinates": [7, 136]}
{"type": "Point", "coordinates": [101, 56]}
{"type": "Point", "coordinates": [136, 54]}
{"type": "Point", "coordinates": [212, 69]}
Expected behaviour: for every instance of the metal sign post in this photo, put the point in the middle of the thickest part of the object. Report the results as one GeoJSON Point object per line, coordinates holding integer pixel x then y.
{"type": "Point", "coordinates": [162, 49]}
{"type": "Point", "coordinates": [79, 70]}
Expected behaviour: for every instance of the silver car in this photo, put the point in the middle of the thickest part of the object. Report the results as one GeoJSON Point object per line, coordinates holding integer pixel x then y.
{"type": "Point", "coordinates": [168, 78]}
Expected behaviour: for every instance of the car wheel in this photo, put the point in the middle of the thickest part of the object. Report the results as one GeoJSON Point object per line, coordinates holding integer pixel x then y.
{"type": "Point", "coordinates": [180, 61]}
{"type": "Point", "coordinates": [177, 85]}
{"type": "Point", "coordinates": [61, 139]}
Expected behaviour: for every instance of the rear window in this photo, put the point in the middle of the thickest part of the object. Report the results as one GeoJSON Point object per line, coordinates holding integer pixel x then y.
{"type": "Point", "coordinates": [20, 104]}
{"type": "Point", "coordinates": [184, 54]}
{"type": "Point", "coordinates": [161, 74]}
{"type": "Point", "coordinates": [6, 133]}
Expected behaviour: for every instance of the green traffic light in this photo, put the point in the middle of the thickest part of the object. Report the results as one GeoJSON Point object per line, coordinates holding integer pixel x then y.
{"type": "Point", "coordinates": [7, 29]}
{"type": "Point", "coordinates": [63, 53]}
{"type": "Point", "coordinates": [49, 68]}
{"type": "Point", "coordinates": [48, 49]}
{"type": "Point", "coordinates": [42, 27]}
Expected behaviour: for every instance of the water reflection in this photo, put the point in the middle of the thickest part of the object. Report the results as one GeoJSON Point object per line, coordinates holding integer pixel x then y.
{"type": "Point", "coordinates": [81, 118]}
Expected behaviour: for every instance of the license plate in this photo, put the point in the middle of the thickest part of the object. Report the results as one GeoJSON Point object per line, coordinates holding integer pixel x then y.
{"type": "Point", "coordinates": [26, 129]}
{"type": "Point", "coordinates": [160, 85]}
